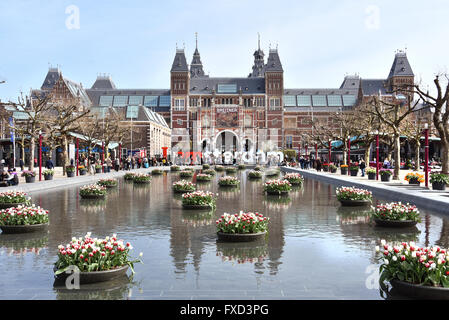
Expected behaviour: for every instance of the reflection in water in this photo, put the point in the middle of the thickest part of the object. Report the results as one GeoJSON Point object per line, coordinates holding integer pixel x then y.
{"type": "Point", "coordinates": [22, 244]}
{"type": "Point", "coordinates": [250, 252]}
{"type": "Point", "coordinates": [354, 215]}
{"type": "Point", "coordinates": [197, 219]}
{"type": "Point", "coordinates": [276, 203]}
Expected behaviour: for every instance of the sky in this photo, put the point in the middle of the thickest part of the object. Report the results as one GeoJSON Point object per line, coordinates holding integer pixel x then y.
{"type": "Point", "coordinates": [134, 41]}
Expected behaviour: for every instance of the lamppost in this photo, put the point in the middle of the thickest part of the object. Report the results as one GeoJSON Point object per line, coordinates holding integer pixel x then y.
{"type": "Point", "coordinates": [426, 153]}
{"type": "Point", "coordinates": [377, 154]}
{"type": "Point", "coordinates": [40, 155]}
{"type": "Point", "coordinates": [349, 154]}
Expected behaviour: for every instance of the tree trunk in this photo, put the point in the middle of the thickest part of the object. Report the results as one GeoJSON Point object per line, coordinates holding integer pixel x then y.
{"type": "Point", "coordinates": [32, 145]}
{"type": "Point", "coordinates": [417, 157]}
{"type": "Point", "coordinates": [397, 156]}
{"type": "Point", "coordinates": [64, 154]}
{"type": "Point", "coordinates": [367, 153]}
{"type": "Point", "coordinates": [345, 152]}
{"type": "Point", "coordinates": [23, 150]}
{"type": "Point", "coordinates": [444, 156]}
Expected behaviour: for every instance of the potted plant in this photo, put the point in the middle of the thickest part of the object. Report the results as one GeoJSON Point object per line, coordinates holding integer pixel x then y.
{"type": "Point", "coordinates": [70, 170]}
{"type": "Point", "coordinates": [202, 177]}
{"type": "Point", "coordinates": [129, 176]}
{"type": "Point", "coordinates": [157, 172]}
{"type": "Point", "coordinates": [278, 187]}
{"type": "Point", "coordinates": [385, 174]}
{"type": "Point", "coordinates": [12, 198]}
{"type": "Point", "coordinates": [198, 200]}
{"type": "Point", "coordinates": [219, 168]}
{"type": "Point", "coordinates": [97, 260]}
{"type": "Point", "coordinates": [371, 172]}
{"type": "Point", "coordinates": [414, 178]}
{"type": "Point", "coordinates": [140, 178]}
{"type": "Point", "coordinates": [242, 227]}
{"type": "Point", "coordinates": [333, 168]}
{"type": "Point", "coordinates": [48, 174]}
{"type": "Point", "coordinates": [108, 183]}
{"type": "Point", "coordinates": [22, 219]}
{"type": "Point", "coordinates": [186, 173]}
{"type": "Point", "coordinates": [396, 214]}
{"type": "Point", "coordinates": [417, 272]}
{"type": "Point", "coordinates": [175, 168]}
{"type": "Point", "coordinates": [325, 167]}
{"type": "Point", "coordinates": [354, 170]}
{"type": "Point", "coordinates": [344, 169]}
{"type": "Point", "coordinates": [241, 166]}
{"type": "Point", "coordinates": [98, 168]}
{"type": "Point", "coordinates": [92, 191]}
{"type": "Point", "coordinates": [439, 181]}
{"type": "Point", "coordinates": [30, 176]}
{"type": "Point", "coordinates": [228, 181]}
{"type": "Point", "coordinates": [206, 166]}
{"type": "Point", "coordinates": [351, 196]}
{"type": "Point", "coordinates": [210, 172]}
{"type": "Point", "coordinates": [231, 169]}
{"type": "Point", "coordinates": [257, 168]}
{"type": "Point", "coordinates": [294, 179]}
{"type": "Point", "coordinates": [253, 174]}
{"type": "Point", "coordinates": [82, 170]}
{"type": "Point", "coordinates": [183, 186]}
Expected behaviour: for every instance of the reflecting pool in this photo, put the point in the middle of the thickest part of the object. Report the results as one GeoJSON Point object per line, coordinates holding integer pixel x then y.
{"type": "Point", "coordinates": [315, 248]}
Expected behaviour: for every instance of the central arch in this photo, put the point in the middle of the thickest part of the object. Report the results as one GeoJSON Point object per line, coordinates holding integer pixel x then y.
{"type": "Point", "coordinates": [227, 140]}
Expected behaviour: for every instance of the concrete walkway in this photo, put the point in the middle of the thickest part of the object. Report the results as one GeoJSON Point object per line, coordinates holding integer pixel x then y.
{"type": "Point", "coordinates": [60, 181]}
{"type": "Point", "coordinates": [396, 190]}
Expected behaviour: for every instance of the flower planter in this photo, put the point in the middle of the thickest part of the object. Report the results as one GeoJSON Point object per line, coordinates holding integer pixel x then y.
{"type": "Point", "coordinates": [182, 191]}
{"type": "Point", "coordinates": [325, 168]}
{"type": "Point", "coordinates": [240, 237]}
{"type": "Point", "coordinates": [354, 173]}
{"type": "Point", "coordinates": [344, 171]}
{"type": "Point", "coordinates": [10, 205]}
{"type": "Point", "coordinates": [395, 223]}
{"type": "Point", "coordinates": [93, 196]}
{"type": "Point", "coordinates": [70, 174]}
{"type": "Point", "coordinates": [278, 193]}
{"type": "Point", "coordinates": [371, 176]}
{"type": "Point", "coordinates": [354, 203]}
{"type": "Point", "coordinates": [333, 170]}
{"type": "Point", "coordinates": [439, 186]}
{"type": "Point", "coordinates": [83, 172]}
{"type": "Point", "coordinates": [96, 276]}
{"type": "Point", "coordinates": [414, 182]}
{"type": "Point", "coordinates": [97, 170]}
{"type": "Point", "coordinates": [29, 179]}
{"type": "Point", "coordinates": [419, 291]}
{"type": "Point", "coordinates": [385, 177]}
{"type": "Point", "coordinates": [24, 228]}
{"type": "Point", "coordinates": [48, 177]}
{"type": "Point", "coordinates": [142, 182]}
{"type": "Point", "coordinates": [197, 206]}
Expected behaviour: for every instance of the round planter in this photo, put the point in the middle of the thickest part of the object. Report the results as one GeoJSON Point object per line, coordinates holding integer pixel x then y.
{"type": "Point", "coordinates": [333, 170]}
{"type": "Point", "coordinates": [371, 176]}
{"type": "Point", "coordinates": [156, 173]}
{"type": "Point", "coordinates": [48, 177]}
{"type": "Point", "coordinates": [354, 173]}
{"type": "Point", "coordinates": [419, 291]}
{"type": "Point", "coordinates": [414, 182]}
{"type": "Point", "coordinates": [30, 179]}
{"type": "Point", "coordinates": [142, 182]}
{"type": "Point", "coordinates": [110, 187]}
{"type": "Point", "coordinates": [325, 168]}
{"type": "Point", "coordinates": [276, 193]}
{"type": "Point", "coordinates": [24, 228]}
{"type": "Point", "coordinates": [240, 237]}
{"type": "Point", "coordinates": [10, 205]}
{"type": "Point", "coordinates": [254, 177]}
{"type": "Point", "coordinates": [438, 186]}
{"type": "Point", "coordinates": [96, 276]}
{"type": "Point", "coordinates": [70, 174]}
{"type": "Point", "coordinates": [182, 191]}
{"type": "Point", "coordinates": [394, 223]}
{"type": "Point", "coordinates": [344, 171]}
{"type": "Point", "coordinates": [354, 203]}
{"type": "Point", "coordinates": [83, 172]}
{"type": "Point", "coordinates": [229, 185]}
{"type": "Point", "coordinates": [97, 170]}
{"type": "Point", "coordinates": [92, 196]}
{"type": "Point", "coordinates": [197, 206]}
{"type": "Point", "coordinates": [385, 177]}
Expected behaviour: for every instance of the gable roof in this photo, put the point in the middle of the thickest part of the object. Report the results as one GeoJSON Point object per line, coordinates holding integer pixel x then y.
{"type": "Point", "coordinates": [401, 66]}
{"type": "Point", "coordinates": [273, 62]}
{"type": "Point", "coordinates": [180, 62]}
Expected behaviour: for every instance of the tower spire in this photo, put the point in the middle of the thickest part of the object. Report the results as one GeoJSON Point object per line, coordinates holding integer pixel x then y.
{"type": "Point", "coordinates": [258, 40]}
{"type": "Point", "coordinates": [196, 40]}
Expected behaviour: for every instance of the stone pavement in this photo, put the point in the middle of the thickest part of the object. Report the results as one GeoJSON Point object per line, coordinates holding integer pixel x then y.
{"type": "Point", "coordinates": [395, 190]}
{"type": "Point", "coordinates": [60, 181]}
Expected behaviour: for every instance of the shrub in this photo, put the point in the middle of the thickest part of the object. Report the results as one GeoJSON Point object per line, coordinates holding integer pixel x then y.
{"type": "Point", "coordinates": [439, 177]}
{"type": "Point", "coordinates": [28, 173]}
{"type": "Point", "coordinates": [387, 172]}
{"type": "Point", "coordinates": [48, 172]}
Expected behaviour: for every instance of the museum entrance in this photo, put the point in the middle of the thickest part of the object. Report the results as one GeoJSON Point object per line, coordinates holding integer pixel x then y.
{"type": "Point", "coordinates": [226, 141]}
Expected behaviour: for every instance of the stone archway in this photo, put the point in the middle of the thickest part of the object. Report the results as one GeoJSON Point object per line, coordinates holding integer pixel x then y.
{"type": "Point", "coordinates": [227, 140]}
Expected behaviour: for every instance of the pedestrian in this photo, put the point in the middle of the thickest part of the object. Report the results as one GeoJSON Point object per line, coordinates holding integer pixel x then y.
{"type": "Point", "coordinates": [48, 164]}
{"type": "Point", "coordinates": [362, 166]}
{"type": "Point", "coordinates": [21, 164]}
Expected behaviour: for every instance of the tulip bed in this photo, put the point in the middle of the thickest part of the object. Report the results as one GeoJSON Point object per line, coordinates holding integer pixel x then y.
{"type": "Point", "coordinates": [258, 168]}
{"type": "Point", "coordinates": [206, 166]}
{"type": "Point", "coordinates": [11, 196]}
{"type": "Point", "coordinates": [203, 177]}
{"type": "Point", "coordinates": [199, 198]}
{"type": "Point", "coordinates": [107, 182]}
{"type": "Point", "coordinates": [183, 186]}
{"type": "Point", "coordinates": [277, 186]}
{"type": "Point", "coordinates": [243, 222]}
{"type": "Point", "coordinates": [231, 169]}
{"type": "Point", "coordinates": [93, 190]}
{"type": "Point", "coordinates": [94, 254]}
{"type": "Point", "coordinates": [241, 167]}
{"type": "Point", "coordinates": [157, 171]}
{"type": "Point", "coordinates": [255, 174]}
{"type": "Point", "coordinates": [175, 168]}
{"type": "Point", "coordinates": [352, 193]}
{"type": "Point", "coordinates": [186, 173]}
{"type": "Point", "coordinates": [294, 178]}
{"type": "Point", "coordinates": [228, 181]}
{"type": "Point", "coordinates": [396, 211]}
{"type": "Point", "coordinates": [23, 215]}
{"type": "Point", "coordinates": [129, 176]}
{"type": "Point", "coordinates": [141, 178]}
{"type": "Point", "coordinates": [209, 172]}
{"type": "Point", "coordinates": [219, 168]}
{"type": "Point", "coordinates": [410, 263]}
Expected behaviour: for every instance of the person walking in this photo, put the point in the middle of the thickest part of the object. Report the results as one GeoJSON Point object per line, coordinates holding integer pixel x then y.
{"type": "Point", "coordinates": [362, 166]}
{"type": "Point", "coordinates": [21, 164]}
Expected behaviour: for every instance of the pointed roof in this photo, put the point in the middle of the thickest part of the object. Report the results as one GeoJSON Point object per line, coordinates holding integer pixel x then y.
{"type": "Point", "coordinates": [259, 63]}
{"type": "Point", "coordinates": [273, 62]}
{"type": "Point", "coordinates": [401, 66]}
{"type": "Point", "coordinates": [196, 67]}
{"type": "Point", "coordinates": [180, 62]}
{"type": "Point", "coordinates": [51, 79]}
{"type": "Point", "coordinates": [103, 82]}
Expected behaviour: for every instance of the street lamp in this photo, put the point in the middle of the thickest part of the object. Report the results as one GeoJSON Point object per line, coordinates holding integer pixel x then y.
{"type": "Point", "coordinates": [377, 154]}
{"type": "Point", "coordinates": [426, 154]}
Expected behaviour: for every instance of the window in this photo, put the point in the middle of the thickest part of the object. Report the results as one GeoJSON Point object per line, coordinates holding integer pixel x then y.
{"type": "Point", "coordinates": [289, 142]}
{"type": "Point", "coordinates": [135, 100]}
{"type": "Point", "coordinates": [334, 101]}
{"type": "Point", "coordinates": [193, 102]}
{"type": "Point", "coordinates": [275, 102]}
{"type": "Point", "coordinates": [227, 88]}
{"type": "Point", "coordinates": [132, 112]}
{"type": "Point", "coordinates": [304, 101]}
{"type": "Point", "coordinates": [164, 101]}
{"type": "Point", "coordinates": [247, 102]}
{"type": "Point", "coordinates": [290, 101]}
{"type": "Point", "coordinates": [179, 104]}
{"type": "Point", "coordinates": [150, 101]}
{"type": "Point", "coordinates": [349, 100]}
{"type": "Point", "coordinates": [319, 101]}
{"type": "Point", "coordinates": [105, 101]}
{"type": "Point", "coordinates": [120, 101]}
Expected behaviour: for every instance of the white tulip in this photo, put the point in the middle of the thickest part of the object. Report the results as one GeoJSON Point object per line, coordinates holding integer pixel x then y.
{"type": "Point", "coordinates": [377, 249]}
{"type": "Point", "coordinates": [386, 261]}
{"type": "Point", "coordinates": [394, 258]}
